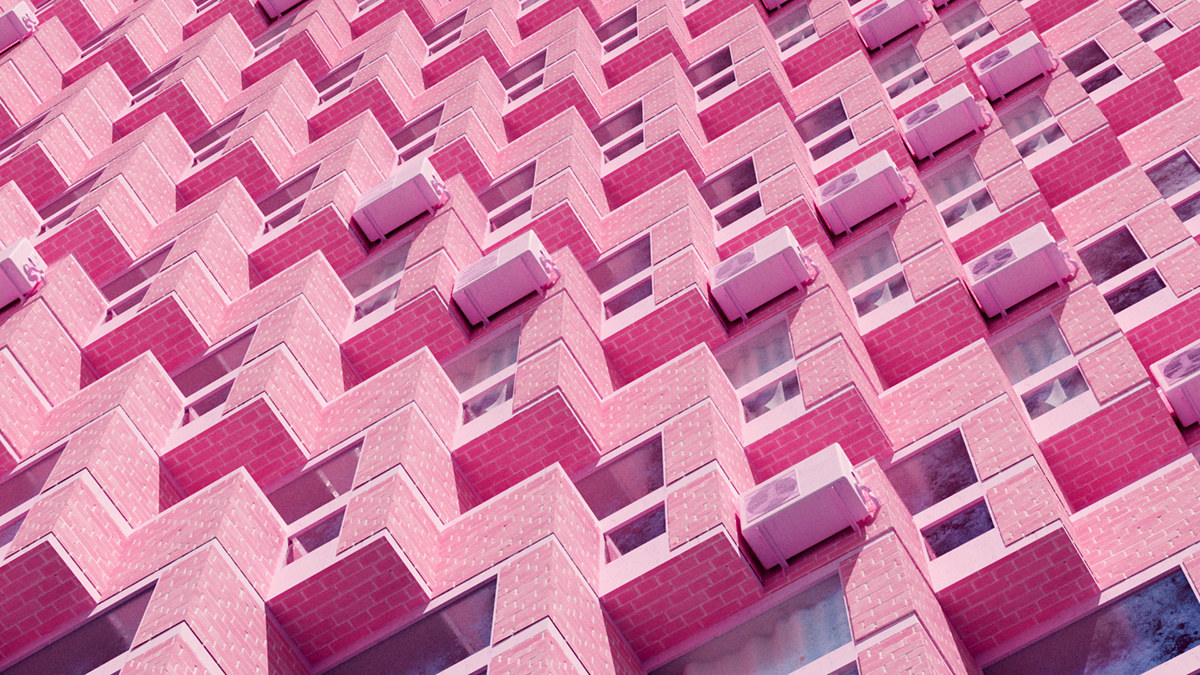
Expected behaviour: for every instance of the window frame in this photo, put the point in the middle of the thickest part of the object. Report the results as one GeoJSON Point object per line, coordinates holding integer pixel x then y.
{"type": "Point", "coordinates": [894, 307]}
{"type": "Point", "coordinates": [616, 151]}
{"type": "Point", "coordinates": [730, 206]}
{"type": "Point", "coordinates": [718, 82]}
{"type": "Point", "coordinates": [1133, 314]}
{"type": "Point", "coordinates": [15, 515]}
{"type": "Point", "coordinates": [387, 284]}
{"type": "Point", "coordinates": [1092, 74]}
{"type": "Point", "coordinates": [787, 410]}
{"type": "Point", "coordinates": [837, 151]}
{"type": "Point", "coordinates": [502, 410]}
{"type": "Point", "coordinates": [909, 72]}
{"type": "Point", "coordinates": [521, 219]}
{"type": "Point", "coordinates": [629, 283]}
{"type": "Point", "coordinates": [1042, 127]}
{"type": "Point", "coordinates": [214, 388]}
{"type": "Point", "coordinates": [796, 37]}
{"type": "Point", "coordinates": [1145, 27]}
{"type": "Point", "coordinates": [1188, 193]}
{"type": "Point", "coordinates": [318, 515]}
{"type": "Point", "coordinates": [967, 194]}
{"type": "Point", "coordinates": [951, 12]}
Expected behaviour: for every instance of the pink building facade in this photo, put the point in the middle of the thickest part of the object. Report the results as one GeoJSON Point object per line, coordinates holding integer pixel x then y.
{"type": "Point", "coordinates": [556, 336]}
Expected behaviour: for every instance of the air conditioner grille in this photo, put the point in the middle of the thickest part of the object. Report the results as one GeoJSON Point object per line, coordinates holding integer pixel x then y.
{"type": "Point", "coordinates": [1182, 365]}
{"type": "Point", "coordinates": [995, 58]}
{"type": "Point", "coordinates": [839, 184]}
{"type": "Point", "coordinates": [923, 113]}
{"type": "Point", "coordinates": [479, 268]}
{"type": "Point", "coordinates": [771, 496]}
{"type": "Point", "coordinates": [992, 261]}
{"type": "Point", "coordinates": [734, 266]}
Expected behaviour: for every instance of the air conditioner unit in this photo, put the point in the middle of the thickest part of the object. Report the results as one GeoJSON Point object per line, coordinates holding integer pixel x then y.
{"type": "Point", "coordinates": [942, 121]}
{"type": "Point", "coordinates": [889, 19]}
{"type": "Point", "coordinates": [861, 192]}
{"type": "Point", "coordinates": [761, 272]}
{"type": "Point", "coordinates": [22, 271]}
{"type": "Point", "coordinates": [413, 188]}
{"type": "Point", "coordinates": [1179, 377]}
{"type": "Point", "coordinates": [17, 24]}
{"type": "Point", "coordinates": [1017, 269]}
{"type": "Point", "coordinates": [1013, 65]}
{"type": "Point", "coordinates": [502, 277]}
{"type": "Point", "coordinates": [802, 506]}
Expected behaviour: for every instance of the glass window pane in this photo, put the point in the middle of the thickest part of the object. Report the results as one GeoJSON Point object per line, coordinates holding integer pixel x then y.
{"type": "Point", "coordinates": [1111, 255]}
{"type": "Point", "coordinates": [639, 531]}
{"type": "Point", "coordinates": [780, 640]}
{"type": "Point", "coordinates": [757, 356]}
{"type": "Point", "coordinates": [1139, 13]}
{"type": "Point", "coordinates": [508, 189]}
{"type": "Point", "coordinates": [485, 361]}
{"type": "Point", "coordinates": [1188, 208]}
{"type": "Point", "coordinates": [763, 402]}
{"type": "Point", "coordinates": [28, 483]}
{"type": "Point", "coordinates": [940, 470]}
{"type": "Point", "coordinates": [958, 529]}
{"type": "Point", "coordinates": [1107, 75]}
{"type": "Point", "coordinates": [1132, 635]}
{"type": "Point", "coordinates": [791, 21]}
{"type": "Point", "coordinates": [1054, 393]}
{"type": "Point", "coordinates": [624, 265]}
{"type": "Point", "coordinates": [821, 120]}
{"type": "Point", "coordinates": [732, 182]}
{"type": "Point", "coordinates": [434, 643]}
{"type": "Point", "coordinates": [488, 400]}
{"type": "Point", "coordinates": [952, 179]}
{"type": "Point", "coordinates": [1024, 116]}
{"type": "Point", "coordinates": [628, 298]}
{"type": "Point", "coordinates": [864, 262]}
{"type": "Point", "coordinates": [893, 66]}
{"type": "Point", "coordinates": [619, 125]}
{"type": "Point", "coordinates": [1154, 31]}
{"type": "Point", "coordinates": [1040, 141]}
{"type": "Point", "coordinates": [1031, 350]}
{"type": "Point", "coordinates": [1085, 58]}
{"type": "Point", "coordinates": [1134, 292]}
{"type": "Point", "coordinates": [214, 366]}
{"type": "Point", "coordinates": [317, 486]}
{"type": "Point", "coordinates": [624, 481]}
{"type": "Point", "coordinates": [706, 69]}
{"type": "Point", "coordinates": [388, 264]}
{"type": "Point", "coordinates": [1174, 175]}
{"type": "Point", "coordinates": [960, 20]}
{"type": "Point", "coordinates": [881, 295]}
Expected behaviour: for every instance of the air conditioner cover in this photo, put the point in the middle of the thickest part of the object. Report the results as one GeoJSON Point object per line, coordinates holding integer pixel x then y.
{"type": "Point", "coordinates": [17, 24]}
{"type": "Point", "coordinates": [1179, 377]}
{"type": "Point", "coordinates": [1013, 65]}
{"type": "Point", "coordinates": [504, 276]}
{"type": "Point", "coordinates": [412, 189]}
{"type": "Point", "coordinates": [759, 273]}
{"type": "Point", "coordinates": [889, 19]}
{"type": "Point", "coordinates": [802, 506]}
{"type": "Point", "coordinates": [22, 271]}
{"type": "Point", "coordinates": [1017, 269]}
{"type": "Point", "coordinates": [942, 121]}
{"type": "Point", "coordinates": [856, 195]}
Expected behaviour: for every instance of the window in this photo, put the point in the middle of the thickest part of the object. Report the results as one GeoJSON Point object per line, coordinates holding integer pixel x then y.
{"type": "Point", "coordinates": [958, 190]}
{"type": "Point", "coordinates": [712, 74]}
{"type": "Point", "coordinates": [625, 278]}
{"type": "Point", "coordinates": [215, 139]}
{"type": "Point", "coordinates": [314, 502]}
{"type": "Point", "coordinates": [967, 24]}
{"type": "Point", "coordinates": [636, 533]}
{"type": "Point", "coordinates": [524, 78]}
{"type": "Point", "coordinates": [510, 200]}
{"type": "Point", "coordinates": [1031, 125]}
{"type": "Point", "coordinates": [825, 129]}
{"type": "Point", "coordinates": [151, 83]}
{"type": "Point", "coordinates": [127, 291]}
{"type": "Point", "coordinates": [445, 34]}
{"type": "Point", "coordinates": [270, 39]}
{"type": "Point", "coordinates": [1041, 367]}
{"type": "Point", "coordinates": [1090, 65]}
{"type": "Point", "coordinates": [282, 206]}
{"type": "Point", "coordinates": [794, 633]}
{"type": "Point", "coordinates": [618, 31]}
{"type": "Point", "coordinates": [966, 525]}
{"type": "Point", "coordinates": [207, 383]}
{"type": "Point", "coordinates": [621, 133]}
{"type": "Point", "coordinates": [374, 284]}
{"type": "Point", "coordinates": [443, 638]}
{"type": "Point", "coordinates": [621, 482]}
{"type": "Point", "coordinates": [61, 208]}
{"type": "Point", "coordinates": [17, 492]}
{"type": "Point", "coordinates": [762, 370]}
{"type": "Point", "coordinates": [1121, 270]}
{"type": "Point", "coordinates": [939, 486]}
{"type": "Point", "coordinates": [1178, 180]}
{"type": "Point", "coordinates": [418, 135]}
{"type": "Point", "coordinates": [733, 194]}
{"type": "Point", "coordinates": [12, 143]}
{"type": "Point", "coordinates": [872, 274]}
{"type": "Point", "coordinates": [337, 81]}
{"type": "Point", "coordinates": [794, 28]}
{"type": "Point", "coordinates": [105, 637]}
{"type": "Point", "coordinates": [485, 375]}
{"type": "Point", "coordinates": [1145, 18]}
{"type": "Point", "coordinates": [1144, 629]}
{"type": "Point", "coordinates": [901, 71]}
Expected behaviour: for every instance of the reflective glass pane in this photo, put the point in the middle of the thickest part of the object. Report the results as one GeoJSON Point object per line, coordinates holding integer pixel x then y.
{"type": "Point", "coordinates": [940, 470]}
{"type": "Point", "coordinates": [959, 529]}
{"type": "Point", "coordinates": [1111, 255]}
{"type": "Point", "coordinates": [623, 481]}
{"type": "Point", "coordinates": [1031, 349]}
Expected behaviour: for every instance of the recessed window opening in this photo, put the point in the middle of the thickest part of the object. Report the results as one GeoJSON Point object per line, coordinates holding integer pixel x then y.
{"type": "Point", "coordinates": [28, 483]}
{"type": "Point", "coordinates": [374, 285]}
{"type": "Point", "coordinates": [712, 74]}
{"type": "Point", "coordinates": [9, 532]}
{"type": "Point", "coordinates": [445, 33]}
{"type": "Point", "coordinates": [1086, 58]}
{"type": "Point", "coordinates": [826, 129]}
{"type": "Point", "coordinates": [284, 204]}
{"type": "Point", "coordinates": [485, 376]}
{"type": "Point", "coordinates": [793, 28]}
{"type": "Point", "coordinates": [1031, 125]}
{"type": "Point", "coordinates": [67, 199]}
{"type": "Point", "coordinates": [273, 37]}
{"type": "Point", "coordinates": [900, 71]}
{"type": "Point", "coordinates": [13, 142]}
{"type": "Point", "coordinates": [624, 278]}
{"type": "Point", "coordinates": [489, 399]}
{"type": "Point", "coordinates": [1141, 13]}
{"type": "Point", "coordinates": [619, 30]}
{"type": "Point", "coordinates": [882, 294]}
{"type": "Point", "coordinates": [939, 471]}
{"type": "Point", "coordinates": [216, 139]}
{"type": "Point", "coordinates": [436, 642]}
{"type": "Point", "coordinates": [144, 270]}
{"type": "Point", "coordinates": [1054, 393]}
{"type": "Point", "coordinates": [151, 83]}
{"type": "Point", "coordinates": [524, 77]}
{"type": "Point", "coordinates": [781, 639]}
{"type": "Point", "coordinates": [729, 186]}
{"type": "Point", "coordinates": [625, 480]}
{"type": "Point", "coordinates": [338, 80]}
{"type": "Point", "coordinates": [958, 529]}
{"type": "Point", "coordinates": [619, 125]}
{"type": "Point", "coordinates": [968, 24]}
{"type": "Point", "coordinates": [1134, 292]}
{"type": "Point", "coordinates": [213, 367]}
{"type": "Point", "coordinates": [1174, 175]}
{"type": "Point", "coordinates": [1133, 634]}
{"type": "Point", "coordinates": [102, 639]}
{"type": "Point", "coordinates": [636, 533]}
{"type": "Point", "coordinates": [774, 395]}
{"type": "Point", "coordinates": [315, 536]}
{"type": "Point", "coordinates": [867, 261]}
{"type": "Point", "coordinates": [126, 304]}
{"type": "Point", "coordinates": [207, 403]}
{"type": "Point", "coordinates": [418, 135]}
{"type": "Point", "coordinates": [101, 39]}
{"type": "Point", "coordinates": [317, 486]}
{"type": "Point", "coordinates": [760, 354]}
{"type": "Point", "coordinates": [1112, 255]}
{"type": "Point", "coordinates": [507, 198]}
{"type": "Point", "coordinates": [1031, 349]}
